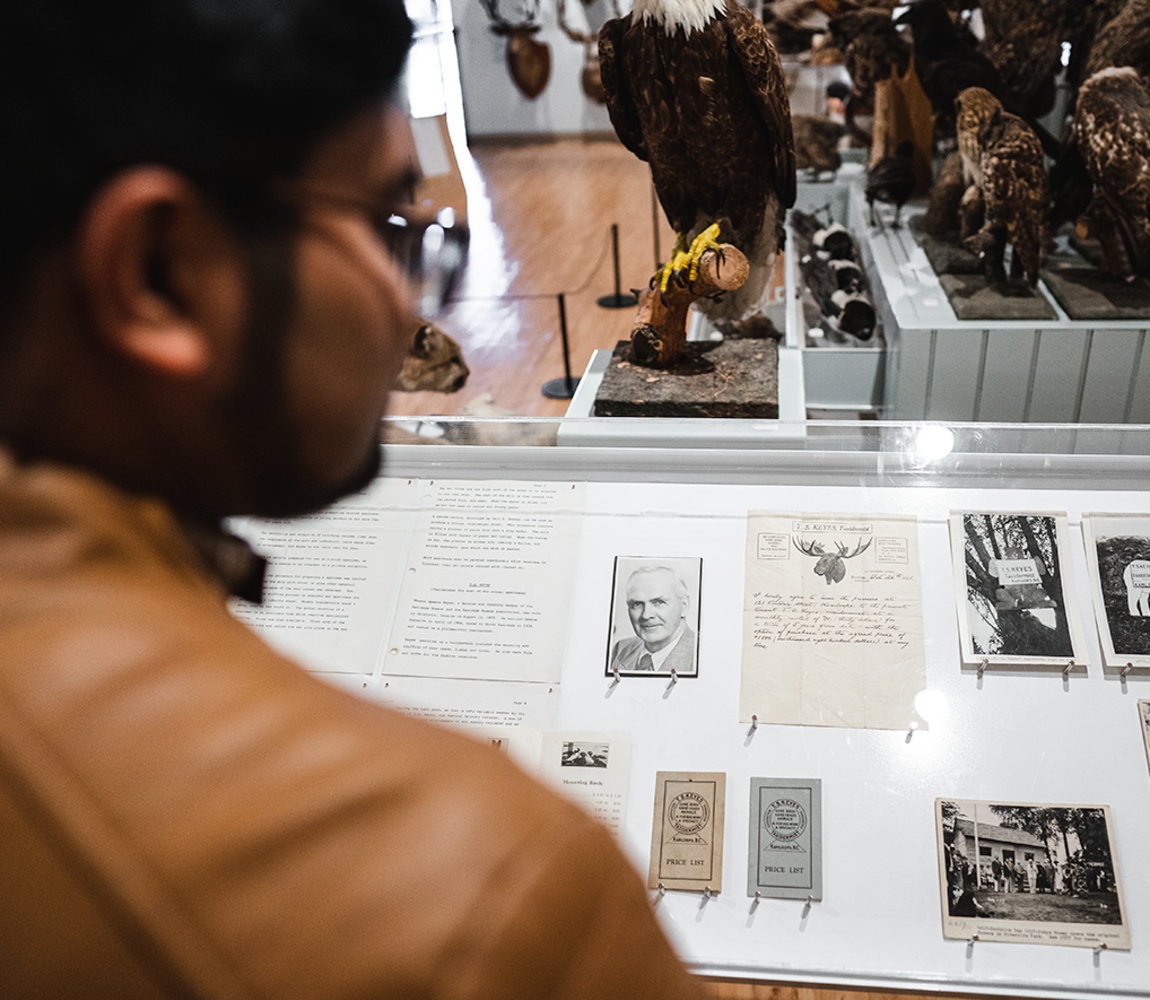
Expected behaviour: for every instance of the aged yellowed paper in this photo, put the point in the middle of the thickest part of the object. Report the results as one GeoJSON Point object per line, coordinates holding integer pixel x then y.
{"type": "Point", "coordinates": [832, 621]}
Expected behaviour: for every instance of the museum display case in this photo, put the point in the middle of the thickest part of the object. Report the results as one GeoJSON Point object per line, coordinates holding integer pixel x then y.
{"type": "Point", "coordinates": [418, 559]}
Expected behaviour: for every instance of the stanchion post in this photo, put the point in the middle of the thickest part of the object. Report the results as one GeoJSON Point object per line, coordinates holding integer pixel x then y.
{"type": "Point", "coordinates": [562, 388]}
{"type": "Point", "coordinates": [618, 300]}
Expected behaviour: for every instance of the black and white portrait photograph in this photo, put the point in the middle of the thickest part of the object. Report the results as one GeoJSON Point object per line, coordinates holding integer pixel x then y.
{"type": "Point", "coordinates": [1016, 601]}
{"type": "Point", "coordinates": [1038, 874]}
{"type": "Point", "coordinates": [654, 626]}
{"type": "Point", "coordinates": [1118, 554]}
{"type": "Point", "coordinates": [584, 754]}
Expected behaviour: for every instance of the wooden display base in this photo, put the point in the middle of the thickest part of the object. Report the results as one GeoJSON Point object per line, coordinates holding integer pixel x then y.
{"type": "Point", "coordinates": [948, 258]}
{"type": "Point", "coordinates": [730, 379]}
{"type": "Point", "coordinates": [972, 297]}
{"type": "Point", "coordinates": [1087, 293]}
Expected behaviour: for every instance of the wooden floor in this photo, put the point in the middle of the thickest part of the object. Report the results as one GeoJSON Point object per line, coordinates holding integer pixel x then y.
{"type": "Point", "coordinates": [540, 218]}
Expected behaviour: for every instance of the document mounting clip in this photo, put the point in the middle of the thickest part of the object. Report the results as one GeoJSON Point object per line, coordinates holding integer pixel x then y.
{"type": "Point", "coordinates": [982, 667]}
{"type": "Point", "coordinates": [754, 726]}
{"type": "Point", "coordinates": [1066, 670]}
{"type": "Point", "coordinates": [1126, 670]}
{"type": "Point", "coordinates": [807, 907]}
{"type": "Point", "coordinates": [674, 676]}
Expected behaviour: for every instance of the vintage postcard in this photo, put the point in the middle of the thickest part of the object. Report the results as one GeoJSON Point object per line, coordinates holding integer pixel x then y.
{"type": "Point", "coordinates": [1144, 721]}
{"type": "Point", "coordinates": [832, 621]}
{"type": "Point", "coordinates": [786, 838]}
{"type": "Point", "coordinates": [654, 624]}
{"type": "Point", "coordinates": [687, 839]}
{"type": "Point", "coordinates": [1118, 555]}
{"type": "Point", "coordinates": [1014, 590]}
{"type": "Point", "coordinates": [1030, 874]}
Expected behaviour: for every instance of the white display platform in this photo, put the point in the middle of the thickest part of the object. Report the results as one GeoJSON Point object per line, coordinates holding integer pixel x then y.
{"type": "Point", "coordinates": [1007, 736]}
{"type": "Point", "coordinates": [942, 368]}
{"type": "Point", "coordinates": [666, 432]}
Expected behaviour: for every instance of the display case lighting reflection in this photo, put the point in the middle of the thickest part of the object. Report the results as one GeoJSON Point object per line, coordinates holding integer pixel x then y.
{"type": "Point", "coordinates": [932, 705]}
{"type": "Point", "coordinates": [933, 442]}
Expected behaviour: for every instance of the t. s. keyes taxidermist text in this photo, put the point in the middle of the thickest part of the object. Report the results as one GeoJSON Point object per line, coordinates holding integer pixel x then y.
{"type": "Point", "coordinates": [832, 620]}
{"type": "Point", "coordinates": [687, 839]}
{"type": "Point", "coordinates": [786, 844]}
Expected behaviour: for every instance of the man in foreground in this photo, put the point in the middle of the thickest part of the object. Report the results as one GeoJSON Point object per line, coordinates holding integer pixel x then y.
{"type": "Point", "coordinates": [203, 304]}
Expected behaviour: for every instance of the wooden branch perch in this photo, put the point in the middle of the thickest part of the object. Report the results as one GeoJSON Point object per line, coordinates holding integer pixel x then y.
{"type": "Point", "coordinates": [660, 329]}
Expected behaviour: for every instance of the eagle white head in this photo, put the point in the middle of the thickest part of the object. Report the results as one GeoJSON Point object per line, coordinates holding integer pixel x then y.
{"type": "Point", "coordinates": [690, 15]}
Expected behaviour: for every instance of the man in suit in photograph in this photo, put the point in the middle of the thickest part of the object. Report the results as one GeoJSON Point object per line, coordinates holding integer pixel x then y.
{"type": "Point", "coordinates": [657, 604]}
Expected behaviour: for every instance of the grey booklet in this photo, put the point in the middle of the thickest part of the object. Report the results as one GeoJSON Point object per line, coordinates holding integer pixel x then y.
{"type": "Point", "coordinates": [786, 838]}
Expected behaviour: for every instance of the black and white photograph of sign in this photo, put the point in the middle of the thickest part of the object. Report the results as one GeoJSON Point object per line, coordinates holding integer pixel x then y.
{"type": "Point", "coordinates": [654, 628]}
{"type": "Point", "coordinates": [1015, 596]}
{"type": "Point", "coordinates": [1118, 554]}
{"type": "Point", "coordinates": [1032, 874]}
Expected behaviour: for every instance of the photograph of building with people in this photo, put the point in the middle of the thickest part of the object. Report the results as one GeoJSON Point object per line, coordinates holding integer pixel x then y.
{"type": "Point", "coordinates": [1028, 863]}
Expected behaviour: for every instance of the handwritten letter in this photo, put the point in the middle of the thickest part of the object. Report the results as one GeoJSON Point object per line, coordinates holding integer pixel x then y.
{"type": "Point", "coordinates": [832, 632]}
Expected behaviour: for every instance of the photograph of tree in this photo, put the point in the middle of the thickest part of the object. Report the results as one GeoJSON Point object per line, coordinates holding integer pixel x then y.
{"type": "Point", "coordinates": [1118, 553]}
{"type": "Point", "coordinates": [1016, 602]}
{"type": "Point", "coordinates": [1030, 873]}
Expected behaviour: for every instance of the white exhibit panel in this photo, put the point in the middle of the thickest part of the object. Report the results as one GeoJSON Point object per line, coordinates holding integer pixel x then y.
{"type": "Point", "coordinates": [998, 735]}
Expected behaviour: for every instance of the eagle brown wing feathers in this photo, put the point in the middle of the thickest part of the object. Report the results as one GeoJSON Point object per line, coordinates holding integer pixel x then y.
{"type": "Point", "coordinates": [708, 111]}
{"type": "Point", "coordinates": [620, 107]}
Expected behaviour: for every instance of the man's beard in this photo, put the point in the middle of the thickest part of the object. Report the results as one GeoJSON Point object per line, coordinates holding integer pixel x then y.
{"type": "Point", "coordinates": [260, 411]}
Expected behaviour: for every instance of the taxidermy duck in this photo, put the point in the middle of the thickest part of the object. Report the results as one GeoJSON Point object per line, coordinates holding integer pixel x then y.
{"type": "Point", "coordinates": [695, 88]}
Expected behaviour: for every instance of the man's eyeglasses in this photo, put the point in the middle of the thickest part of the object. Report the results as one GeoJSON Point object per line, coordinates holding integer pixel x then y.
{"type": "Point", "coordinates": [431, 252]}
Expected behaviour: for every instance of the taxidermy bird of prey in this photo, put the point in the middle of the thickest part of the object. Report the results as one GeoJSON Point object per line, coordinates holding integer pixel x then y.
{"type": "Point", "coordinates": [870, 44]}
{"type": "Point", "coordinates": [892, 181]}
{"type": "Point", "coordinates": [947, 63]}
{"type": "Point", "coordinates": [694, 87]}
{"type": "Point", "coordinates": [1112, 128]}
{"type": "Point", "coordinates": [1013, 184]}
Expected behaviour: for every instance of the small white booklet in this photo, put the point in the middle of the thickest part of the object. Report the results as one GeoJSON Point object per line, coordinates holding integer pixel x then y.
{"type": "Point", "coordinates": [589, 768]}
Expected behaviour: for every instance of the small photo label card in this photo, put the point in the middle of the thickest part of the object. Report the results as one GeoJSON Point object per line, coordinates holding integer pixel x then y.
{"type": "Point", "coordinates": [687, 839]}
{"type": "Point", "coordinates": [786, 838]}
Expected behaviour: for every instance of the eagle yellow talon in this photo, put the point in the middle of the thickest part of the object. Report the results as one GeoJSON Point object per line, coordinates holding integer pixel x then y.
{"type": "Point", "coordinates": [708, 239]}
{"type": "Point", "coordinates": [687, 259]}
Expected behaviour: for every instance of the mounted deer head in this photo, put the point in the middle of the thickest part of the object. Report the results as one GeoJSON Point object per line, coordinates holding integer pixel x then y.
{"type": "Point", "coordinates": [831, 564]}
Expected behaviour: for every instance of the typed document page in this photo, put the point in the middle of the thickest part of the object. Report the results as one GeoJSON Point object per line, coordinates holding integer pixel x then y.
{"type": "Point", "coordinates": [487, 586]}
{"type": "Point", "coordinates": [832, 620]}
{"type": "Point", "coordinates": [332, 577]}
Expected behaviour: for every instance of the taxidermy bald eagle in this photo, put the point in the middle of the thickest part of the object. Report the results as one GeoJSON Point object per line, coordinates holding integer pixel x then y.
{"type": "Point", "coordinates": [694, 87]}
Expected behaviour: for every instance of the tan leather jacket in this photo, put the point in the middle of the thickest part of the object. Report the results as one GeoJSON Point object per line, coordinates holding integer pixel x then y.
{"type": "Point", "coordinates": [184, 813]}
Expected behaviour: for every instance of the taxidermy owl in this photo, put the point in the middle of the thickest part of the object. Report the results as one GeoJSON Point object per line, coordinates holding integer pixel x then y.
{"type": "Point", "coordinates": [1112, 129]}
{"type": "Point", "coordinates": [1011, 186]}
{"type": "Point", "coordinates": [695, 88]}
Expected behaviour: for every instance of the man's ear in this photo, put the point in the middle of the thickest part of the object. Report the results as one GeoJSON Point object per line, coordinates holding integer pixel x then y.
{"type": "Point", "coordinates": [160, 271]}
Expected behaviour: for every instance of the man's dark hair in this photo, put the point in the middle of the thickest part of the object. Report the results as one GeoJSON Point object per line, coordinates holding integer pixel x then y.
{"type": "Point", "coordinates": [230, 93]}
